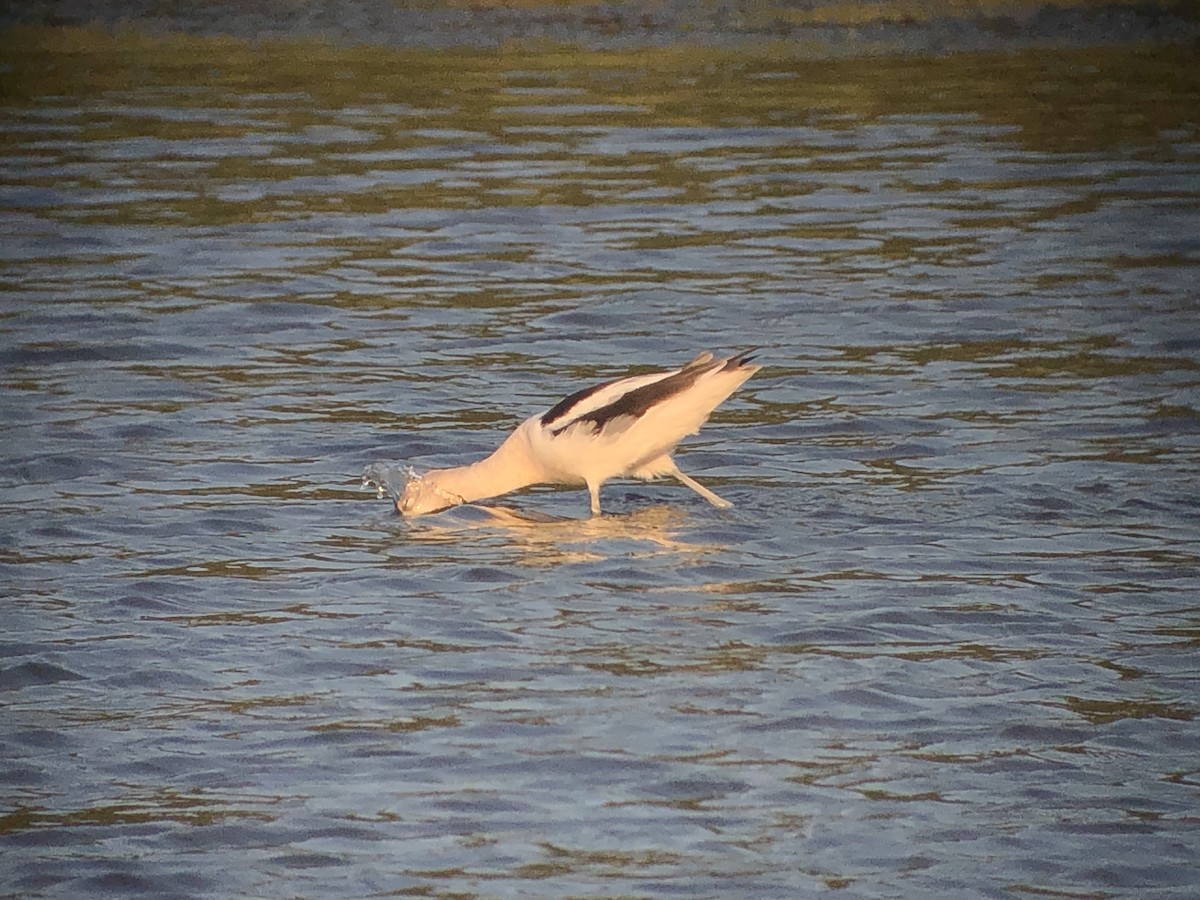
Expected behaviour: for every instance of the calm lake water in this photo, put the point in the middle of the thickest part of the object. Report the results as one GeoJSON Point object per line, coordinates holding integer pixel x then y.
{"type": "Point", "coordinates": [945, 644]}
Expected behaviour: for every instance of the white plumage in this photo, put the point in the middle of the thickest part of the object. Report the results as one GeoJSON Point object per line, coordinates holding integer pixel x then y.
{"type": "Point", "coordinates": [623, 428]}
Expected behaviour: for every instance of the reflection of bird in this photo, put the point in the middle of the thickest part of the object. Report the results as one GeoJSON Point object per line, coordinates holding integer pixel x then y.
{"type": "Point", "coordinates": [623, 428]}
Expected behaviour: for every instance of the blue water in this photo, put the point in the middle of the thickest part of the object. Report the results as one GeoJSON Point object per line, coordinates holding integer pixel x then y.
{"type": "Point", "coordinates": [943, 645]}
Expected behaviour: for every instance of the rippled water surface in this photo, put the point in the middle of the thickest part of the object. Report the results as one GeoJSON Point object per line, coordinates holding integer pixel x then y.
{"type": "Point", "coordinates": [945, 644]}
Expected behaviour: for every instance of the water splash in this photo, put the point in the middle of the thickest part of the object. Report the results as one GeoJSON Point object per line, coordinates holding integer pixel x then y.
{"type": "Point", "coordinates": [388, 479]}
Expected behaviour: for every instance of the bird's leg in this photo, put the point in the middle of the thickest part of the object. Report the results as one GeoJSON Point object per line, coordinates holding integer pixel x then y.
{"type": "Point", "coordinates": [594, 490]}
{"type": "Point", "coordinates": [701, 490]}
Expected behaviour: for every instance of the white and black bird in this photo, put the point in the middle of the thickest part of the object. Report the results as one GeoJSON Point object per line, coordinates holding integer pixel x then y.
{"type": "Point", "coordinates": [627, 428]}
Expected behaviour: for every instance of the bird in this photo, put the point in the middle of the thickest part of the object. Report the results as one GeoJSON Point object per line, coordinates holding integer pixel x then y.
{"type": "Point", "coordinates": [628, 427]}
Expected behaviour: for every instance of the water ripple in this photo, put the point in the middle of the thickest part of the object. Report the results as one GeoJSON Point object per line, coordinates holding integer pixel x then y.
{"type": "Point", "coordinates": [943, 644]}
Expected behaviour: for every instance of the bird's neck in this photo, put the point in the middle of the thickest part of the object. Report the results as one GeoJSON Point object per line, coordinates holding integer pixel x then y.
{"type": "Point", "coordinates": [508, 469]}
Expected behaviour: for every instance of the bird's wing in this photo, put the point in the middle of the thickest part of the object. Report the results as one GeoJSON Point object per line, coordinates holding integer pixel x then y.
{"type": "Point", "coordinates": [581, 404]}
{"type": "Point", "coordinates": [611, 408]}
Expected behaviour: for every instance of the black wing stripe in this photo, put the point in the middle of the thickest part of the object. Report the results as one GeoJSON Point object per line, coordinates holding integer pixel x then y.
{"type": "Point", "coordinates": [742, 358]}
{"type": "Point", "coordinates": [562, 407]}
{"type": "Point", "coordinates": [639, 401]}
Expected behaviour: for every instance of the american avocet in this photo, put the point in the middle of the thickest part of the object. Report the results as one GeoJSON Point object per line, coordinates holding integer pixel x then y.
{"type": "Point", "coordinates": [623, 428]}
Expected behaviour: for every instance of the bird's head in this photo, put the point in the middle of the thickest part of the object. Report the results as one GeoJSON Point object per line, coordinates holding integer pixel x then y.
{"type": "Point", "coordinates": [423, 495]}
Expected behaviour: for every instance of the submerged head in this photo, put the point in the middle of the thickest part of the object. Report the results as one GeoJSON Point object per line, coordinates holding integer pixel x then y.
{"type": "Point", "coordinates": [423, 495]}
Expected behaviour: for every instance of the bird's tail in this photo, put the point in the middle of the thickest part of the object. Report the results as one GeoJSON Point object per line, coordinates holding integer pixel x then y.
{"type": "Point", "coordinates": [741, 359]}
